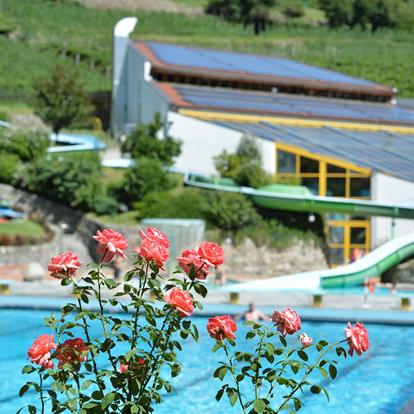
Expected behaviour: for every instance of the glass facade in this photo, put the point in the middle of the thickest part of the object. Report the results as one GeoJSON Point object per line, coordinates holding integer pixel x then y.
{"type": "Point", "coordinates": [348, 237]}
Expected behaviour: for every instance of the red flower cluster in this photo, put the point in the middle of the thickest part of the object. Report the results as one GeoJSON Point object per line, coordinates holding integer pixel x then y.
{"type": "Point", "coordinates": [180, 300]}
{"type": "Point", "coordinates": [39, 352]}
{"type": "Point", "coordinates": [111, 243]}
{"type": "Point", "coordinates": [64, 265]}
{"type": "Point", "coordinates": [222, 327]}
{"type": "Point", "coordinates": [190, 262]}
{"type": "Point", "coordinates": [72, 352]}
{"type": "Point", "coordinates": [154, 247]}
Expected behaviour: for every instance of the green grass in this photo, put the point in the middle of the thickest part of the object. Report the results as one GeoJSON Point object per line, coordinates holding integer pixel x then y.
{"type": "Point", "coordinates": [24, 228]}
{"type": "Point", "coordinates": [46, 28]}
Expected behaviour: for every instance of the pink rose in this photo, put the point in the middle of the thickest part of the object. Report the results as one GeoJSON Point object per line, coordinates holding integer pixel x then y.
{"type": "Point", "coordinates": [211, 252]}
{"type": "Point", "coordinates": [357, 337]}
{"type": "Point", "coordinates": [153, 252]}
{"type": "Point", "coordinates": [157, 236]}
{"type": "Point", "coordinates": [190, 260]}
{"type": "Point", "coordinates": [72, 352]}
{"type": "Point", "coordinates": [287, 321]}
{"type": "Point", "coordinates": [39, 352]}
{"type": "Point", "coordinates": [111, 243]}
{"type": "Point", "coordinates": [222, 327]}
{"type": "Point", "coordinates": [305, 340]}
{"type": "Point", "coordinates": [180, 300]}
{"type": "Point", "coordinates": [64, 265]}
{"type": "Point", "coordinates": [123, 368]}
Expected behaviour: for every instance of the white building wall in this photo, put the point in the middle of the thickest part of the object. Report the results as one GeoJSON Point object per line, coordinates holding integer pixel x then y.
{"type": "Point", "coordinates": [202, 141]}
{"type": "Point", "coordinates": [394, 190]}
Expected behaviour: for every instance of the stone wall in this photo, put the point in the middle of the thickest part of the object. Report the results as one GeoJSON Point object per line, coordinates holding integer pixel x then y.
{"type": "Point", "coordinates": [248, 261]}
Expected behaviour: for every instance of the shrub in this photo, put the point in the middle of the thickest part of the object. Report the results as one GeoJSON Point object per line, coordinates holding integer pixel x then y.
{"type": "Point", "coordinates": [145, 142]}
{"type": "Point", "coordinates": [245, 165]}
{"type": "Point", "coordinates": [60, 98]}
{"type": "Point", "coordinates": [73, 179]}
{"type": "Point", "coordinates": [25, 144]}
{"type": "Point", "coordinates": [188, 203]}
{"type": "Point", "coordinates": [146, 176]}
{"type": "Point", "coordinates": [294, 10]}
{"type": "Point", "coordinates": [230, 211]}
{"type": "Point", "coordinates": [9, 165]}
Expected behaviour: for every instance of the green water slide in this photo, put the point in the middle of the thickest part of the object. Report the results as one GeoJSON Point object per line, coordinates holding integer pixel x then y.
{"type": "Point", "coordinates": [297, 198]}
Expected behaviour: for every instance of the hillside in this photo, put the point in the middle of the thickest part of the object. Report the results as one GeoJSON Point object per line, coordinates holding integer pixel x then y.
{"type": "Point", "coordinates": [36, 34]}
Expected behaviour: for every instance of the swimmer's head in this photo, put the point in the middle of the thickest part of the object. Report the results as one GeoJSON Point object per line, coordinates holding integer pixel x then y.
{"type": "Point", "coordinates": [251, 307]}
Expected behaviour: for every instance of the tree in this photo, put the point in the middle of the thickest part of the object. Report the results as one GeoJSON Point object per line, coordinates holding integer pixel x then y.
{"type": "Point", "coordinates": [247, 12]}
{"type": "Point", "coordinates": [245, 165]}
{"type": "Point", "coordinates": [144, 142]}
{"type": "Point", "coordinates": [338, 12]}
{"type": "Point", "coordinates": [60, 99]}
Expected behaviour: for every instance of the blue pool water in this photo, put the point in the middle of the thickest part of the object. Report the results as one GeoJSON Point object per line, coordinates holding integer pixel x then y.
{"type": "Point", "coordinates": [380, 382]}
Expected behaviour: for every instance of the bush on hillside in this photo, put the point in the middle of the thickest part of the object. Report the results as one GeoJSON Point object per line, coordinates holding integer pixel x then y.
{"type": "Point", "coordinates": [146, 176]}
{"type": "Point", "coordinates": [230, 211]}
{"type": "Point", "coordinates": [73, 179]}
{"type": "Point", "coordinates": [61, 99]}
{"type": "Point", "coordinates": [9, 165]}
{"type": "Point", "coordinates": [294, 10]}
{"type": "Point", "coordinates": [188, 203]}
{"type": "Point", "coordinates": [145, 142]}
{"type": "Point", "coordinates": [245, 165]}
{"type": "Point", "coordinates": [27, 145]}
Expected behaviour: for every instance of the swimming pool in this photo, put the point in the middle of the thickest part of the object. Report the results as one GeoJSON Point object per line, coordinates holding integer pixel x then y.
{"type": "Point", "coordinates": [381, 382]}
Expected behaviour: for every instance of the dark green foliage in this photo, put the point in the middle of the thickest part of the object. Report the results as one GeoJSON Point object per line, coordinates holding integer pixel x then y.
{"type": "Point", "coordinates": [145, 142]}
{"type": "Point", "coordinates": [338, 12]}
{"type": "Point", "coordinates": [60, 98]}
{"type": "Point", "coordinates": [146, 176]}
{"type": "Point", "coordinates": [245, 165]}
{"type": "Point", "coordinates": [230, 211]}
{"type": "Point", "coordinates": [9, 164]}
{"type": "Point", "coordinates": [248, 12]}
{"type": "Point", "coordinates": [294, 10]}
{"type": "Point", "coordinates": [73, 179]}
{"type": "Point", "coordinates": [188, 203]}
{"type": "Point", "coordinates": [25, 144]}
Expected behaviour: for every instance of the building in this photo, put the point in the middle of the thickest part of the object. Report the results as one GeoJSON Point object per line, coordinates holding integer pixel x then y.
{"type": "Point", "coordinates": [340, 136]}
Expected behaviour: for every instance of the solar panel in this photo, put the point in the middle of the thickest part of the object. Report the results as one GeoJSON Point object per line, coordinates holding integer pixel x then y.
{"type": "Point", "coordinates": [247, 63]}
{"type": "Point", "coordinates": [281, 103]}
{"type": "Point", "coordinates": [366, 149]}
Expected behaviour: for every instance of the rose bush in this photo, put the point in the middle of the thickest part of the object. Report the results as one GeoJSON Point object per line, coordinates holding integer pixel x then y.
{"type": "Point", "coordinates": [122, 368]}
{"type": "Point", "coordinates": [280, 367]}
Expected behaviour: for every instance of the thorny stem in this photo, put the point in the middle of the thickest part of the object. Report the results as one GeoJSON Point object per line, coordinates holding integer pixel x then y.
{"type": "Point", "coordinates": [42, 401]}
{"type": "Point", "coordinates": [233, 373]}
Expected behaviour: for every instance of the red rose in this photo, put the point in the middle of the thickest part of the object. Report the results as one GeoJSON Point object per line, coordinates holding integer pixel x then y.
{"type": "Point", "coordinates": [357, 337]}
{"type": "Point", "coordinates": [72, 352]}
{"type": "Point", "coordinates": [39, 352]}
{"type": "Point", "coordinates": [64, 265]}
{"type": "Point", "coordinates": [180, 300]}
{"type": "Point", "coordinates": [305, 340]}
{"type": "Point", "coordinates": [190, 260]}
{"type": "Point", "coordinates": [222, 327]}
{"type": "Point", "coordinates": [124, 368]}
{"type": "Point", "coordinates": [111, 243]}
{"type": "Point", "coordinates": [211, 252]}
{"type": "Point", "coordinates": [153, 252]}
{"type": "Point", "coordinates": [287, 321]}
{"type": "Point", "coordinates": [157, 236]}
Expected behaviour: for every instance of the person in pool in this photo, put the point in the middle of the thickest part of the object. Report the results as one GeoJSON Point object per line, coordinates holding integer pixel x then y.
{"type": "Point", "coordinates": [252, 314]}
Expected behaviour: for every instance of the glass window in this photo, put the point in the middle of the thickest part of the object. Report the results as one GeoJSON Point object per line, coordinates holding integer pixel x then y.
{"type": "Point", "coordinates": [334, 169]}
{"type": "Point", "coordinates": [286, 162]}
{"type": "Point", "coordinates": [360, 187]}
{"type": "Point", "coordinates": [312, 184]}
{"type": "Point", "coordinates": [335, 187]}
{"type": "Point", "coordinates": [358, 235]}
{"type": "Point", "coordinates": [308, 165]}
{"type": "Point", "coordinates": [336, 234]}
{"type": "Point", "coordinates": [336, 255]}
{"type": "Point", "coordinates": [336, 216]}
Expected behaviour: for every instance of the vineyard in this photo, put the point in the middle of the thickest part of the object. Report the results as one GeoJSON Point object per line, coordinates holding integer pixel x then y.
{"type": "Point", "coordinates": [36, 34]}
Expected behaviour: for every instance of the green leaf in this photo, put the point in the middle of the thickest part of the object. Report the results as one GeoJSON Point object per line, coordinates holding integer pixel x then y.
{"type": "Point", "coordinates": [233, 398]}
{"type": "Point", "coordinates": [259, 406]}
{"type": "Point", "coordinates": [283, 340]}
{"type": "Point", "coordinates": [220, 372]}
{"type": "Point", "coordinates": [303, 355]}
{"type": "Point", "coordinates": [333, 371]}
{"type": "Point", "coordinates": [23, 390]}
{"type": "Point", "coordinates": [323, 372]}
{"type": "Point", "coordinates": [315, 389]}
{"type": "Point", "coordinates": [27, 369]}
{"type": "Point", "coordinates": [107, 400]}
{"type": "Point", "coordinates": [219, 394]}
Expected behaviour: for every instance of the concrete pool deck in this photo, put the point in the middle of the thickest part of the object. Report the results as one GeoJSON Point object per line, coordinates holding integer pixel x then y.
{"type": "Point", "coordinates": [383, 309]}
